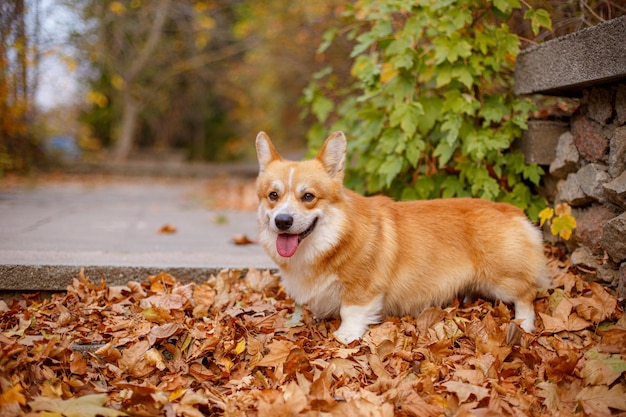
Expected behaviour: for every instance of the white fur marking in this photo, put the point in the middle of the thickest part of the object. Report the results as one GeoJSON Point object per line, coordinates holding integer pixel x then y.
{"type": "Point", "coordinates": [526, 313]}
{"type": "Point", "coordinates": [290, 180]}
{"type": "Point", "coordinates": [355, 320]}
{"type": "Point", "coordinates": [321, 293]}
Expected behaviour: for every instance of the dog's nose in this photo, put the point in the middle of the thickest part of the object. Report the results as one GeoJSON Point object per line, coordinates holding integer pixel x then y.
{"type": "Point", "coordinates": [283, 221]}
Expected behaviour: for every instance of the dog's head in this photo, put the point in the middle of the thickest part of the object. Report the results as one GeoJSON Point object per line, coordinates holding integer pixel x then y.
{"type": "Point", "coordinates": [296, 199]}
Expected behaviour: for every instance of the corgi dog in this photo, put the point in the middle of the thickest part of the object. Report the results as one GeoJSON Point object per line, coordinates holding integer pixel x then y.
{"type": "Point", "coordinates": [365, 258]}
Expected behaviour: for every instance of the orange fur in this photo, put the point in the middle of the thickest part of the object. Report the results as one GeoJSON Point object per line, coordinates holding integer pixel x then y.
{"type": "Point", "coordinates": [369, 257]}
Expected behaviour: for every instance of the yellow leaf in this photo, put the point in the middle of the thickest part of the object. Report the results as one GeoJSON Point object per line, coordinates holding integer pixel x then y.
{"type": "Point", "coordinates": [97, 98]}
{"type": "Point", "coordinates": [387, 72]}
{"type": "Point", "coordinates": [241, 346]}
{"type": "Point", "coordinates": [13, 395]}
{"type": "Point", "coordinates": [154, 358]}
{"type": "Point", "coordinates": [563, 226]}
{"type": "Point", "coordinates": [69, 62]}
{"type": "Point", "coordinates": [176, 394]}
{"type": "Point", "coordinates": [117, 82]}
{"type": "Point", "coordinates": [226, 363]}
{"type": "Point", "coordinates": [562, 208]}
{"type": "Point", "coordinates": [545, 215]}
{"type": "Point", "coordinates": [117, 7]}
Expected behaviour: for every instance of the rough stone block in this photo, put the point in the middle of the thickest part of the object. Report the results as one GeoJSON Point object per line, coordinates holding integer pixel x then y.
{"type": "Point", "coordinates": [589, 224]}
{"type": "Point", "coordinates": [607, 274]}
{"type": "Point", "coordinates": [615, 190]}
{"type": "Point", "coordinates": [588, 138]}
{"type": "Point", "coordinates": [599, 103]}
{"type": "Point", "coordinates": [620, 104]}
{"type": "Point", "coordinates": [539, 141]}
{"type": "Point", "coordinates": [617, 152]}
{"type": "Point", "coordinates": [614, 238]}
{"type": "Point", "coordinates": [566, 160]}
{"type": "Point", "coordinates": [569, 191]}
{"type": "Point", "coordinates": [565, 65]}
{"type": "Point", "coordinates": [591, 179]}
{"type": "Point", "coordinates": [582, 256]}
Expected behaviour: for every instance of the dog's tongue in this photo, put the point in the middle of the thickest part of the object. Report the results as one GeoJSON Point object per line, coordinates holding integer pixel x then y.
{"type": "Point", "coordinates": [286, 244]}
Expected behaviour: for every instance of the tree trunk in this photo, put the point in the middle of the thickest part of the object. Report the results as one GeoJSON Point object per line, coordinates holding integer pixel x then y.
{"type": "Point", "coordinates": [127, 129]}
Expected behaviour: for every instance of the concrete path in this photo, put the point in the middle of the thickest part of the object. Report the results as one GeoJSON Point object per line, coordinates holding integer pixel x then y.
{"type": "Point", "coordinates": [111, 228]}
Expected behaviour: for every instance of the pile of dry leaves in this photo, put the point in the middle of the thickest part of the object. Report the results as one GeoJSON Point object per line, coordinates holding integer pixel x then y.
{"type": "Point", "coordinates": [236, 345]}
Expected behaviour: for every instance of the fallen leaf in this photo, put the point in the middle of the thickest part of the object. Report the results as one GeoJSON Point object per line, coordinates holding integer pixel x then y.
{"type": "Point", "coordinates": [164, 301]}
{"type": "Point", "coordinates": [562, 320]}
{"type": "Point", "coordinates": [463, 390]}
{"type": "Point", "coordinates": [602, 369]}
{"type": "Point", "coordinates": [163, 331]}
{"type": "Point", "coordinates": [601, 398]}
{"type": "Point", "coordinates": [548, 391]}
{"type": "Point", "coordinates": [278, 353]}
{"type": "Point", "coordinates": [13, 395]}
{"type": "Point", "coordinates": [167, 228]}
{"type": "Point", "coordinates": [85, 406]}
{"type": "Point", "coordinates": [134, 361]}
{"type": "Point", "coordinates": [291, 401]}
{"type": "Point", "coordinates": [243, 240]}
{"type": "Point", "coordinates": [597, 307]}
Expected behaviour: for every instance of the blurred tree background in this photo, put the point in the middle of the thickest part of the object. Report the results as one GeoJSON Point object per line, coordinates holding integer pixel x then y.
{"type": "Point", "coordinates": [198, 78]}
{"type": "Point", "coordinates": [201, 76]}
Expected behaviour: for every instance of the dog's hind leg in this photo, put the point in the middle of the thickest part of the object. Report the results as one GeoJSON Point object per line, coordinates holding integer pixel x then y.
{"type": "Point", "coordinates": [525, 311]}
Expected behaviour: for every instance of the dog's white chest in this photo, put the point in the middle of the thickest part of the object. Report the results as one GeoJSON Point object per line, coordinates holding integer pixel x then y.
{"type": "Point", "coordinates": [322, 294]}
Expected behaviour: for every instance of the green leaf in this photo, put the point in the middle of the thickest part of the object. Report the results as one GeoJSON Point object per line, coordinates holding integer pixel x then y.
{"type": "Point", "coordinates": [365, 68]}
{"type": "Point", "coordinates": [327, 39]}
{"type": "Point", "coordinates": [432, 112]}
{"type": "Point", "coordinates": [381, 29]}
{"type": "Point", "coordinates": [538, 18]}
{"type": "Point", "coordinates": [506, 6]}
{"type": "Point", "coordinates": [451, 49]}
{"type": "Point", "coordinates": [464, 74]}
{"type": "Point", "coordinates": [444, 76]}
{"type": "Point", "coordinates": [321, 108]}
{"type": "Point", "coordinates": [494, 109]}
{"type": "Point", "coordinates": [452, 186]}
{"type": "Point", "coordinates": [390, 168]}
{"type": "Point", "coordinates": [406, 115]}
{"type": "Point", "coordinates": [424, 187]}
{"type": "Point", "coordinates": [443, 152]}
{"type": "Point", "coordinates": [414, 147]}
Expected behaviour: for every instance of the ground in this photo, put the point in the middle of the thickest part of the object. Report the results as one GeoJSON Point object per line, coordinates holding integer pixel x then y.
{"type": "Point", "coordinates": [237, 345]}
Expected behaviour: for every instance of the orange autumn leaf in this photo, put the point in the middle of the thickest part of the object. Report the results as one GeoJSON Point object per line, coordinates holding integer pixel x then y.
{"type": "Point", "coordinates": [167, 229]}
{"type": "Point", "coordinates": [13, 395]}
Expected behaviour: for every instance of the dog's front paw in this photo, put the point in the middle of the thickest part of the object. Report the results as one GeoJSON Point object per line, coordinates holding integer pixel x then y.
{"type": "Point", "coordinates": [345, 337]}
{"type": "Point", "coordinates": [347, 334]}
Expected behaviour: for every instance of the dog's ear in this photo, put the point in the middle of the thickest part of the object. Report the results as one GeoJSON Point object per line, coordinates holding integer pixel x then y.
{"type": "Point", "coordinates": [333, 155]}
{"type": "Point", "coordinates": [265, 151]}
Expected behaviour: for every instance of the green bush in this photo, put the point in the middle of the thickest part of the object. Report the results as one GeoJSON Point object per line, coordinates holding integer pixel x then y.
{"type": "Point", "coordinates": [429, 111]}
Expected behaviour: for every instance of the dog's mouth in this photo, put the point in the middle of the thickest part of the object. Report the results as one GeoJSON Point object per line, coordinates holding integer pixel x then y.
{"type": "Point", "coordinates": [287, 244]}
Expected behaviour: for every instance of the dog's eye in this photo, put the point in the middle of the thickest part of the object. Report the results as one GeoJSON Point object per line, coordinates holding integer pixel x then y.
{"type": "Point", "coordinates": [273, 196]}
{"type": "Point", "coordinates": [308, 197]}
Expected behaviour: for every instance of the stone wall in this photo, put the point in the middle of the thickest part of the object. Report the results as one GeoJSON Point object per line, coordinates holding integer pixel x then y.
{"type": "Point", "coordinates": [587, 157]}
{"type": "Point", "coordinates": [590, 166]}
